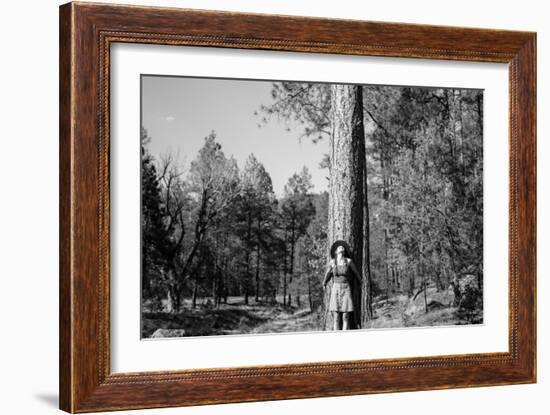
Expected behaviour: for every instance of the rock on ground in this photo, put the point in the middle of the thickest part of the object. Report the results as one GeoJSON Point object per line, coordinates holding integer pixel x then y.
{"type": "Point", "coordinates": [159, 333]}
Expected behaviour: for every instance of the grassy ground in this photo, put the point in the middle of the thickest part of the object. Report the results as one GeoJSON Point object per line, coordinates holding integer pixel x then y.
{"type": "Point", "coordinates": [232, 318]}
{"type": "Point", "coordinates": [391, 314]}
{"type": "Point", "coordinates": [402, 311]}
{"type": "Point", "coordinates": [237, 318]}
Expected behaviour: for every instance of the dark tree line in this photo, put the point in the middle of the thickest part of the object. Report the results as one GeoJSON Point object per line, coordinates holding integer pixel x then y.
{"type": "Point", "coordinates": [219, 231]}
{"type": "Point", "coordinates": [426, 163]}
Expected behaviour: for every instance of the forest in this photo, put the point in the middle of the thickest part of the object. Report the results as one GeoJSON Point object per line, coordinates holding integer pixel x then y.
{"type": "Point", "coordinates": [223, 254]}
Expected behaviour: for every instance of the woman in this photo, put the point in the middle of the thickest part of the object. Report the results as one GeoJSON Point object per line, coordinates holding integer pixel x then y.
{"type": "Point", "coordinates": [341, 270]}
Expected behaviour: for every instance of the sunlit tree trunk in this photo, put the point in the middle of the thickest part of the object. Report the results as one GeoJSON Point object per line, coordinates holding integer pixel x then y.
{"type": "Point", "coordinates": [195, 292]}
{"type": "Point", "coordinates": [309, 297]}
{"type": "Point", "coordinates": [291, 265]}
{"type": "Point", "coordinates": [285, 268]}
{"type": "Point", "coordinates": [248, 244]}
{"type": "Point", "coordinates": [257, 279]}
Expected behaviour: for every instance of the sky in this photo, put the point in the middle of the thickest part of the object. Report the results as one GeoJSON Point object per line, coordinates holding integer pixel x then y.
{"type": "Point", "coordinates": [179, 112]}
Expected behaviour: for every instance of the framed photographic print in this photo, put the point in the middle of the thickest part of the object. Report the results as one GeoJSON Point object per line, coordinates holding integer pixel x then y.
{"type": "Point", "coordinates": [258, 207]}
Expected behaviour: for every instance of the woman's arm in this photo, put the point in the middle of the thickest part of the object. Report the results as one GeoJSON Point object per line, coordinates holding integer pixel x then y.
{"type": "Point", "coordinates": [328, 274]}
{"type": "Point", "coordinates": [354, 270]}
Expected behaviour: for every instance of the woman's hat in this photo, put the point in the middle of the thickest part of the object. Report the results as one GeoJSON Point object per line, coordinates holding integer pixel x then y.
{"type": "Point", "coordinates": [338, 243]}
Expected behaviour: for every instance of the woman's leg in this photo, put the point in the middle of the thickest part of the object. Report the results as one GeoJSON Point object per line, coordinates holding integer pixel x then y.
{"type": "Point", "coordinates": [345, 318]}
{"type": "Point", "coordinates": [336, 320]}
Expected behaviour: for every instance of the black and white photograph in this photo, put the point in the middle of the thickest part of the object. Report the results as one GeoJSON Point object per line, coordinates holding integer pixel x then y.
{"type": "Point", "coordinates": [274, 206]}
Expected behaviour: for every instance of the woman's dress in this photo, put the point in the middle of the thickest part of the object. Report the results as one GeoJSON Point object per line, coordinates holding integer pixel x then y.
{"type": "Point", "coordinates": [340, 295]}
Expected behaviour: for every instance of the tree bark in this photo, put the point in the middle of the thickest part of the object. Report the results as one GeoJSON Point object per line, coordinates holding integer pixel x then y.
{"type": "Point", "coordinates": [257, 280]}
{"type": "Point", "coordinates": [348, 210]}
{"type": "Point", "coordinates": [248, 245]}
{"type": "Point", "coordinates": [285, 269]}
{"type": "Point", "coordinates": [386, 266]}
{"type": "Point", "coordinates": [366, 312]}
{"type": "Point", "coordinates": [455, 138]}
{"type": "Point", "coordinates": [310, 299]}
{"type": "Point", "coordinates": [195, 291]}
{"type": "Point", "coordinates": [292, 247]}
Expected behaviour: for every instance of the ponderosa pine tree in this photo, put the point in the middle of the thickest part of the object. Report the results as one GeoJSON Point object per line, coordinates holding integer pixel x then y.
{"type": "Point", "coordinates": [297, 210]}
{"type": "Point", "coordinates": [336, 112]}
{"type": "Point", "coordinates": [256, 201]}
{"type": "Point", "coordinates": [153, 230]}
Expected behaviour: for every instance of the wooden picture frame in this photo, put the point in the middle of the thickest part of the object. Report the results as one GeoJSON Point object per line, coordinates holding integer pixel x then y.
{"type": "Point", "coordinates": [86, 33]}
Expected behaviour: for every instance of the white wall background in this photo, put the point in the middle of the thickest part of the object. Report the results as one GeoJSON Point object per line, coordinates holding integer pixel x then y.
{"type": "Point", "coordinates": [29, 205]}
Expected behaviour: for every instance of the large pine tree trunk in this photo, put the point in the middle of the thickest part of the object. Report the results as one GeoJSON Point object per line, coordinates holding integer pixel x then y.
{"type": "Point", "coordinates": [257, 280]}
{"type": "Point", "coordinates": [248, 245]}
{"type": "Point", "coordinates": [309, 297]}
{"type": "Point", "coordinates": [285, 267]}
{"type": "Point", "coordinates": [291, 265]}
{"type": "Point", "coordinates": [348, 213]}
{"type": "Point", "coordinates": [455, 138]}
{"type": "Point", "coordinates": [366, 312]}
{"type": "Point", "coordinates": [195, 292]}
